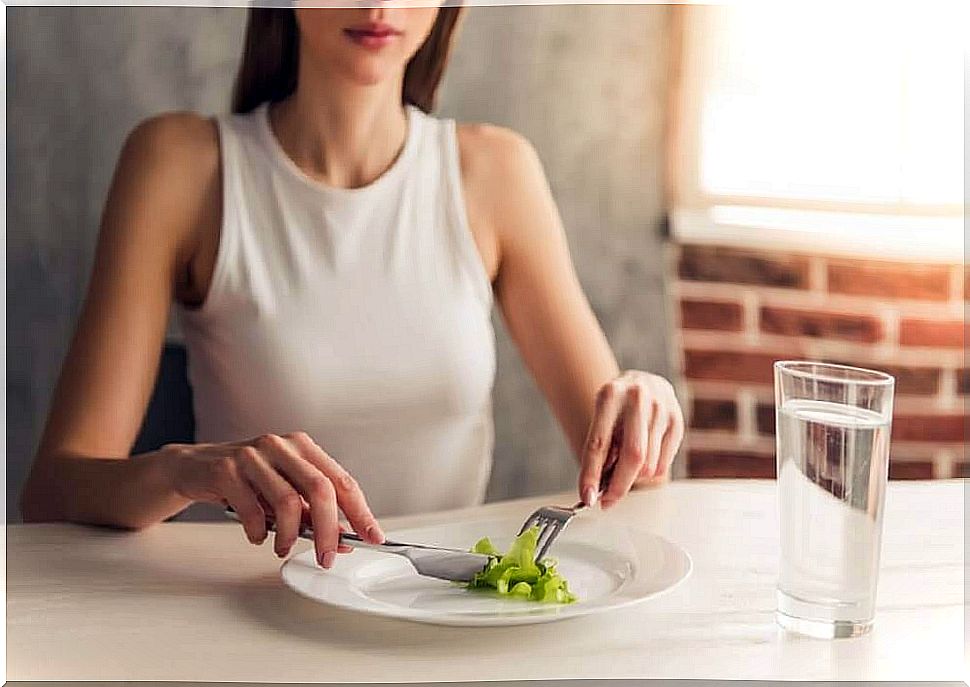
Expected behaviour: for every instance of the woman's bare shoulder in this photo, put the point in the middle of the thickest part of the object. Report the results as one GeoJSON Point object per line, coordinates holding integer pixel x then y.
{"type": "Point", "coordinates": [492, 152]}
{"type": "Point", "coordinates": [165, 190]}
{"type": "Point", "coordinates": [185, 140]}
{"type": "Point", "coordinates": [503, 178]}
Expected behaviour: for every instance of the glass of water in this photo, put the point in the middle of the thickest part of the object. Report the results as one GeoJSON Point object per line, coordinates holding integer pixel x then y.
{"type": "Point", "coordinates": [832, 431]}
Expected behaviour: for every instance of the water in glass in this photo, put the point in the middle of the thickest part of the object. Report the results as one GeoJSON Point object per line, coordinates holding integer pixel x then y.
{"type": "Point", "coordinates": [832, 464]}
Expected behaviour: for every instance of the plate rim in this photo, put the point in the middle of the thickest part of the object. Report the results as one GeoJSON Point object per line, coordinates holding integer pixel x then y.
{"type": "Point", "coordinates": [377, 608]}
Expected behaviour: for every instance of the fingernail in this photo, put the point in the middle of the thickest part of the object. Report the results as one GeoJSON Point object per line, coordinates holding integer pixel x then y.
{"type": "Point", "coordinates": [590, 496]}
{"type": "Point", "coordinates": [374, 534]}
{"type": "Point", "coordinates": [329, 558]}
{"type": "Point", "coordinates": [607, 503]}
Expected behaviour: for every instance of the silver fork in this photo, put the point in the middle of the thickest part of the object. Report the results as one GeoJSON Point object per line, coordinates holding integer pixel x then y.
{"type": "Point", "coordinates": [552, 520]}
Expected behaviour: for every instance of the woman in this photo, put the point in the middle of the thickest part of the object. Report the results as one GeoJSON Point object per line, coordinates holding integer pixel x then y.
{"type": "Point", "coordinates": [335, 252]}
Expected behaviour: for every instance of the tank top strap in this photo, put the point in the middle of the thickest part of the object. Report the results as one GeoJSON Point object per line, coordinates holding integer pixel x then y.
{"type": "Point", "coordinates": [463, 239]}
{"type": "Point", "coordinates": [232, 163]}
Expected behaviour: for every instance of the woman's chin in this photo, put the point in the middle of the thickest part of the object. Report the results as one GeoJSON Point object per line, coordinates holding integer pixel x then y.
{"type": "Point", "coordinates": [370, 74]}
{"type": "Point", "coordinates": [371, 80]}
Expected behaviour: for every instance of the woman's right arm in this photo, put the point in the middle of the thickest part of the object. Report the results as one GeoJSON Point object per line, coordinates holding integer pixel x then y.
{"type": "Point", "coordinates": [165, 193]}
{"type": "Point", "coordinates": [166, 175]}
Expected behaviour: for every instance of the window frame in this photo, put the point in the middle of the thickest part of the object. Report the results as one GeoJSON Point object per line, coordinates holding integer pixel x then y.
{"type": "Point", "coordinates": [691, 216]}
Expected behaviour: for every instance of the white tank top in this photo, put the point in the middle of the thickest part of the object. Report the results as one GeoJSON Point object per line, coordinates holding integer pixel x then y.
{"type": "Point", "coordinates": [360, 316]}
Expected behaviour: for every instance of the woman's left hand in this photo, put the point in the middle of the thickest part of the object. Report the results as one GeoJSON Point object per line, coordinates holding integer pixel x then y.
{"type": "Point", "coordinates": [638, 426]}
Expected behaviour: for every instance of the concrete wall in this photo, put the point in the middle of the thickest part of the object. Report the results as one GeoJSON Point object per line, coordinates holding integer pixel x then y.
{"type": "Point", "coordinates": [78, 79]}
{"type": "Point", "coordinates": [585, 83]}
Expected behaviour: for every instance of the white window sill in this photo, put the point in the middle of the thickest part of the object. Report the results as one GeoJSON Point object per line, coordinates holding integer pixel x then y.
{"type": "Point", "coordinates": [888, 237]}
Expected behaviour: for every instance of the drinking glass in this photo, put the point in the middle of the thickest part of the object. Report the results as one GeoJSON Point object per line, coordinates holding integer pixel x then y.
{"type": "Point", "coordinates": [833, 425]}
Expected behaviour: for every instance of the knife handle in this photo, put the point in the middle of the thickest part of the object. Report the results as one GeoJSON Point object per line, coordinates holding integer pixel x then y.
{"type": "Point", "coordinates": [306, 532]}
{"type": "Point", "coordinates": [347, 538]}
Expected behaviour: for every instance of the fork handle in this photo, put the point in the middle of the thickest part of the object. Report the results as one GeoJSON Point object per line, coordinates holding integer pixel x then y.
{"type": "Point", "coordinates": [607, 475]}
{"type": "Point", "coordinates": [605, 478]}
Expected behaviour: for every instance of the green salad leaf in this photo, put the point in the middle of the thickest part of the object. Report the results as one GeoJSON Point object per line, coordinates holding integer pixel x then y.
{"type": "Point", "coordinates": [517, 574]}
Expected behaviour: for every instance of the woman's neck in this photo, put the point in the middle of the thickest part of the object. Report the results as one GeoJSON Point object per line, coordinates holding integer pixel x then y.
{"type": "Point", "coordinates": [344, 135]}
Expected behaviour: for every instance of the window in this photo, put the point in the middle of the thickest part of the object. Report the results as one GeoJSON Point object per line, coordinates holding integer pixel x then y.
{"type": "Point", "coordinates": [823, 124]}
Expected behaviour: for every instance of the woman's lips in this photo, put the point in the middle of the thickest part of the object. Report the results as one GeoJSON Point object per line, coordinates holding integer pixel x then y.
{"type": "Point", "coordinates": [372, 36]}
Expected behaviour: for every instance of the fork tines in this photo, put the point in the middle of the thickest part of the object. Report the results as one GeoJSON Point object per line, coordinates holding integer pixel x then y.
{"type": "Point", "coordinates": [551, 521]}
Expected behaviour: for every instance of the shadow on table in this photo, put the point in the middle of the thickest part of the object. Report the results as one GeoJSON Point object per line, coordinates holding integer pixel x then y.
{"type": "Point", "coordinates": [267, 600]}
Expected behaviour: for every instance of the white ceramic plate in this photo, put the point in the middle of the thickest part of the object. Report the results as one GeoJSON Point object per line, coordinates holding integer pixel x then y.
{"type": "Point", "coordinates": [606, 567]}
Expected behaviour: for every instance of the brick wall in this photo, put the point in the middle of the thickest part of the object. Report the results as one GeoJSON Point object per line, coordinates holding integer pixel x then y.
{"type": "Point", "coordinates": [737, 311]}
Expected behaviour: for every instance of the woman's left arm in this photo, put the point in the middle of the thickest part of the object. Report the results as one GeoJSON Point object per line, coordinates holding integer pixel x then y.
{"type": "Point", "coordinates": [631, 416]}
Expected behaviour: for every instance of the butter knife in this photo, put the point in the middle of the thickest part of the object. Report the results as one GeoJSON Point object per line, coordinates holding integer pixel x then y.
{"type": "Point", "coordinates": [453, 565]}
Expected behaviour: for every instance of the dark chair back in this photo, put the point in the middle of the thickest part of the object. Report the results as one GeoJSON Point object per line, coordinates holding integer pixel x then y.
{"type": "Point", "coordinates": [169, 418]}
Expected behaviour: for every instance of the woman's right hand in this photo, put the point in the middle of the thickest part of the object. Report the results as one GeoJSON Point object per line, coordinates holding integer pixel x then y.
{"type": "Point", "coordinates": [282, 474]}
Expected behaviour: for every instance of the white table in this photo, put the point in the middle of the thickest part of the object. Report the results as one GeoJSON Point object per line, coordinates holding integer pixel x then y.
{"type": "Point", "coordinates": [196, 602]}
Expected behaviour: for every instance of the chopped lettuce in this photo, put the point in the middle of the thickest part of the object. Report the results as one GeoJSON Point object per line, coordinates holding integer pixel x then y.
{"type": "Point", "coordinates": [518, 574]}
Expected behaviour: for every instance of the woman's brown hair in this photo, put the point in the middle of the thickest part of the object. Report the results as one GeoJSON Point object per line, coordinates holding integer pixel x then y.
{"type": "Point", "coordinates": [270, 60]}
